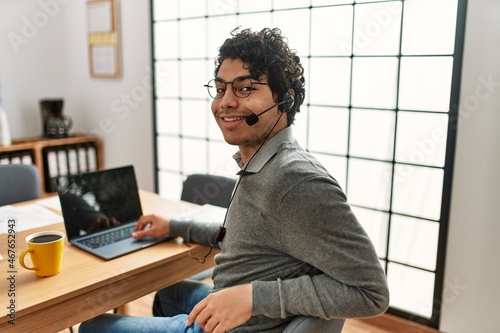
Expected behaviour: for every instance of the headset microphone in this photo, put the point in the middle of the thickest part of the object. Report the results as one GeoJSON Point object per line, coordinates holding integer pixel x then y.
{"type": "Point", "coordinates": [288, 100]}
{"type": "Point", "coordinates": [254, 118]}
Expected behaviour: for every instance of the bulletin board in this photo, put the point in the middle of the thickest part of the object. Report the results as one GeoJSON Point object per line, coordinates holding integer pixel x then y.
{"type": "Point", "coordinates": [103, 41]}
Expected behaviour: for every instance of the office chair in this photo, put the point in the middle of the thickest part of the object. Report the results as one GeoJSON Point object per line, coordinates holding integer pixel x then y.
{"type": "Point", "coordinates": [208, 189]}
{"type": "Point", "coordinates": [18, 182]}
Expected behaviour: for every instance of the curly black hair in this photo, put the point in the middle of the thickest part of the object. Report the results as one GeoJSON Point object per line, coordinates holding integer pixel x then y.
{"type": "Point", "coordinates": [267, 53]}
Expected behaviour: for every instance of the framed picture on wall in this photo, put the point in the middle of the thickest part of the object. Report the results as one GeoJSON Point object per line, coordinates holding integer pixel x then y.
{"type": "Point", "coordinates": [103, 42]}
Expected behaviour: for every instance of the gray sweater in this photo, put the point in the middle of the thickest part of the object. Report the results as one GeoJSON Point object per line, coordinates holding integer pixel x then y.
{"type": "Point", "coordinates": [291, 233]}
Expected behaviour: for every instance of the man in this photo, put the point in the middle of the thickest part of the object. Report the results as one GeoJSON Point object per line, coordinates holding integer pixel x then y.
{"type": "Point", "coordinates": [290, 244]}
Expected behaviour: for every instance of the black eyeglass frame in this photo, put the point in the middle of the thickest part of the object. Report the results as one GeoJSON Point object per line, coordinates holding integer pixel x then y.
{"type": "Point", "coordinates": [237, 92]}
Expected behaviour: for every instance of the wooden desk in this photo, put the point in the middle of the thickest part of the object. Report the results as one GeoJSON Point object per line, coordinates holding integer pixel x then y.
{"type": "Point", "coordinates": [87, 285]}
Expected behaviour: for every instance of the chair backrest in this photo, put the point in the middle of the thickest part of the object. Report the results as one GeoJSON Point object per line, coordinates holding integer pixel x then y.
{"type": "Point", "coordinates": [208, 189]}
{"type": "Point", "coordinates": [304, 324]}
{"type": "Point", "coordinates": [18, 182]}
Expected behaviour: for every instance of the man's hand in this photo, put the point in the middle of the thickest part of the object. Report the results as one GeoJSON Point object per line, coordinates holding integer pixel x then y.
{"type": "Point", "coordinates": [223, 310]}
{"type": "Point", "coordinates": [151, 225]}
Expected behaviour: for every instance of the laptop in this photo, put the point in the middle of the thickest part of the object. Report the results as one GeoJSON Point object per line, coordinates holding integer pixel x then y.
{"type": "Point", "coordinates": [100, 210]}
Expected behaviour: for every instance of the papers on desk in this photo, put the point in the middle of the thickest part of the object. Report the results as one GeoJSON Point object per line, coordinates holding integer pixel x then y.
{"type": "Point", "coordinates": [27, 217]}
{"type": "Point", "coordinates": [206, 214]}
{"type": "Point", "coordinates": [51, 202]}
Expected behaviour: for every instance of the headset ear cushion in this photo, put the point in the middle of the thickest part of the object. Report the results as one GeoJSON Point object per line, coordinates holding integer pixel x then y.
{"type": "Point", "coordinates": [289, 101]}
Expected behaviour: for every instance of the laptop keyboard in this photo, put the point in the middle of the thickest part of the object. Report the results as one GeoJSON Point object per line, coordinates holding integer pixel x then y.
{"type": "Point", "coordinates": [108, 238]}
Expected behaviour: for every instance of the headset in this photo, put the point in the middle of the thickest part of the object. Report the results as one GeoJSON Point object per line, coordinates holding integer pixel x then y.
{"type": "Point", "coordinates": [285, 105]}
{"type": "Point", "coordinates": [287, 102]}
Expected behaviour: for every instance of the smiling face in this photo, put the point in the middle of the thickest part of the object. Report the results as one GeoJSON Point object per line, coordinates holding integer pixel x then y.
{"type": "Point", "coordinates": [230, 111]}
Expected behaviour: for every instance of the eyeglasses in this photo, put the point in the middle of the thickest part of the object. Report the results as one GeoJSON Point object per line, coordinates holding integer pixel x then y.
{"type": "Point", "coordinates": [242, 87]}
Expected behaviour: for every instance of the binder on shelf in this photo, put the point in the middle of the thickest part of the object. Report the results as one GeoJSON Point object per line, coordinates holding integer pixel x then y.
{"type": "Point", "coordinates": [52, 163]}
{"type": "Point", "coordinates": [82, 158]}
{"type": "Point", "coordinates": [4, 159]}
{"type": "Point", "coordinates": [15, 159]}
{"type": "Point", "coordinates": [91, 158]}
{"type": "Point", "coordinates": [50, 168]}
{"type": "Point", "coordinates": [72, 160]}
{"type": "Point", "coordinates": [62, 162]}
{"type": "Point", "coordinates": [68, 159]}
{"type": "Point", "coordinates": [26, 158]}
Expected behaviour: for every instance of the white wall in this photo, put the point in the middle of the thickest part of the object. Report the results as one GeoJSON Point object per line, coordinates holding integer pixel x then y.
{"type": "Point", "coordinates": [54, 63]}
{"type": "Point", "coordinates": [472, 274]}
{"type": "Point", "coordinates": [43, 53]}
{"type": "Point", "coordinates": [33, 65]}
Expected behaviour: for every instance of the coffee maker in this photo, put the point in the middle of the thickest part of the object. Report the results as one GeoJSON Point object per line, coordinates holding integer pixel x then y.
{"type": "Point", "coordinates": [55, 124]}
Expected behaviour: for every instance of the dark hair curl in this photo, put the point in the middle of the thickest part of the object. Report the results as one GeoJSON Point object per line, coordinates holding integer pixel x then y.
{"type": "Point", "coordinates": [267, 53]}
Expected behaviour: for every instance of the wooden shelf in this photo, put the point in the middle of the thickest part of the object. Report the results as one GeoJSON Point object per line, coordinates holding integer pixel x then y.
{"type": "Point", "coordinates": [36, 148]}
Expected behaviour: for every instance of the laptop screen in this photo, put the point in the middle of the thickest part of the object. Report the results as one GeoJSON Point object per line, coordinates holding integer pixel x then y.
{"type": "Point", "coordinates": [98, 200]}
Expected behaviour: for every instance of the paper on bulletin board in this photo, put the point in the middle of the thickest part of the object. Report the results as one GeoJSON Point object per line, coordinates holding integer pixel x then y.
{"type": "Point", "coordinates": [104, 60]}
{"type": "Point", "coordinates": [100, 17]}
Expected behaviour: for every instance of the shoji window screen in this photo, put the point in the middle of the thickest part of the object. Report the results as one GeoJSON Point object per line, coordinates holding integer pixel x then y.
{"type": "Point", "coordinates": [382, 81]}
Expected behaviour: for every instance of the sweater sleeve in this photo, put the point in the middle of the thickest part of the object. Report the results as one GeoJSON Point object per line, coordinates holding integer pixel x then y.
{"type": "Point", "coordinates": [320, 230]}
{"type": "Point", "coordinates": [195, 232]}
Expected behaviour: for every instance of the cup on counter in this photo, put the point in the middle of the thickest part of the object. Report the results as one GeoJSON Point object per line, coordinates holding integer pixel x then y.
{"type": "Point", "coordinates": [46, 250]}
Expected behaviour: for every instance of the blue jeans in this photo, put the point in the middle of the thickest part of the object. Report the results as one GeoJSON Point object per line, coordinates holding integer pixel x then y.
{"type": "Point", "coordinates": [170, 309]}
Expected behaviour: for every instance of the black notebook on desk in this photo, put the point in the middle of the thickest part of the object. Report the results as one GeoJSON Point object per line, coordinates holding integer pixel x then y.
{"type": "Point", "coordinates": [100, 210]}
